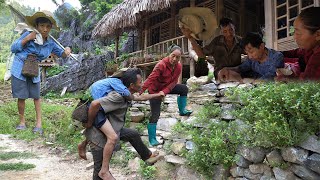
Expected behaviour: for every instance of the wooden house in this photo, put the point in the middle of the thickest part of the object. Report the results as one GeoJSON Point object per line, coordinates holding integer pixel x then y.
{"type": "Point", "coordinates": [279, 18]}
{"type": "Point", "coordinates": [157, 24]}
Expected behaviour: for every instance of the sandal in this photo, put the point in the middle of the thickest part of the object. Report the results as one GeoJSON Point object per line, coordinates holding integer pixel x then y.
{"type": "Point", "coordinates": [21, 127]}
{"type": "Point", "coordinates": [37, 130]}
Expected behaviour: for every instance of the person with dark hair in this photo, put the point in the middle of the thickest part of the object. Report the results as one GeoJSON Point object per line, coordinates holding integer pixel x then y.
{"type": "Point", "coordinates": [97, 110]}
{"type": "Point", "coordinates": [164, 79]}
{"type": "Point", "coordinates": [33, 45]}
{"type": "Point", "coordinates": [114, 107]}
{"type": "Point", "coordinates": [225, 48]}
{"type": "Point", "coordinates": [304, 62]}
{"type": "Point", "coordinates": [262, 62]}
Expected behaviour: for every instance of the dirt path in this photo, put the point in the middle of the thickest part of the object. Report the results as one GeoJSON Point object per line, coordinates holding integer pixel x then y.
{"type": "Point", "coordinates": [49, 164]}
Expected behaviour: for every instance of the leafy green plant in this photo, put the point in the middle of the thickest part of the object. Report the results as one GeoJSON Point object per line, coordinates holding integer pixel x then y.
{"type": "Point", "coordinates": [15, 155]}
{"type": "Point", "coordinates": [16, 166]}
{"type": "Point", "coordinates": [281, 115]}
{"type": "Point", "coordinates": [146, 171]}
{"type": "Point", "coordinates": [55, 70]}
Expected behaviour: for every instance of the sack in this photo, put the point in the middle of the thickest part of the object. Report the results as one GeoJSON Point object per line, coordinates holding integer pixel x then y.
{"type": "Point", "coordinates": [31, 66]}
{"type": "Point", "coordinates": [80, 113]}
{"type": "Point", "coordinates": [7, 74]}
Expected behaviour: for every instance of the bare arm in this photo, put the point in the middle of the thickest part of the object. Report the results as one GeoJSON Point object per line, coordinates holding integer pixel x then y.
{"type": "Point", "coordinates": [145, 97]}
{"type": "Point", "coordinates": [187, 33]}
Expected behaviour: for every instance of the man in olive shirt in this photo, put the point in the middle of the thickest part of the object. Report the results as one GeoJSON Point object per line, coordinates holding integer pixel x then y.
{"type": "Point", "coordinates": [225, 48]}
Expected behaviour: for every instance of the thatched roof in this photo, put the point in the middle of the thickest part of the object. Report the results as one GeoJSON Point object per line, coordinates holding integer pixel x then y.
{"type": "Point", "coordinates": [126, 15]}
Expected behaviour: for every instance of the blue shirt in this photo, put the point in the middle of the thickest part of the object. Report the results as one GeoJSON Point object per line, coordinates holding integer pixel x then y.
{"type": "Point", "coordinates": [267, 69]}
{"type": "Point", "coordinates": [102, 87]}
{"type": "Point", "coordinates": [41, 51]}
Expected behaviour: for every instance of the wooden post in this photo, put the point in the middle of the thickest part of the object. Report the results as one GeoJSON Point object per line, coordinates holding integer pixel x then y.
{"type": "Point", "coordinates": [270, 32]}
{"type": "Point", "coordinates": [219, 9]}
{"type": "Point", "coordinates": [173, 20]}
{"type": "Point", "coordinates": [242, 14]}
{"type": "Point", "coordinates": [146, 35]}
{"type": "Point", "coordinates": [43, 74]}
{"type": "Point", "coordinates": [116, 53]}
{"type": "Point", "coordinates": [191, 61]}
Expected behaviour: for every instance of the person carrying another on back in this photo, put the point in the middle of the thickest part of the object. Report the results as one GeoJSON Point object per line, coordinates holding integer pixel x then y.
{"type": "Point", "coordinates": [304, 62]}
{"type": "Point", "coordinates": [261, 63]}
{"type": "Point", "coordinates": [97, 117]}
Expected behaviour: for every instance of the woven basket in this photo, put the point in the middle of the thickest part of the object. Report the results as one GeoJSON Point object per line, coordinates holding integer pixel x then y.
{"type": "Point", "coordinates": [31, 66]}
{"type": "Point", "coordinates": [80, 113]}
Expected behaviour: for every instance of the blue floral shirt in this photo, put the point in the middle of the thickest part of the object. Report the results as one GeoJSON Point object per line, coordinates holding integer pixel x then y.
{"type": "Point", "coordinates": [41, 51]}
{"type": "Point", "coordinates": [102, 87]}
{"type": "Point", "coordinates": [267, 69]}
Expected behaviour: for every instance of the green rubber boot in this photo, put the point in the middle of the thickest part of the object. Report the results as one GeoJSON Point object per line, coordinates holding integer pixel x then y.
{"type": "Point", "coordinates": [152, 129]}
{"type": "Point", "coordinates": [182, 103]}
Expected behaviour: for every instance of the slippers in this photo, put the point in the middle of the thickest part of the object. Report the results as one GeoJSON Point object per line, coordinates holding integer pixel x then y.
{"type": "Point", "coordinates": [21, 127]}
{"type": "Point", "coordinates": [37, 130]}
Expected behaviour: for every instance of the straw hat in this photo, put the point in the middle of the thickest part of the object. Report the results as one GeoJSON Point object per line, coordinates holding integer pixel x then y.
{"type": "Point", "coordinates": [31, 20]}
{"type": "Point", "coordinates": [201, 21]}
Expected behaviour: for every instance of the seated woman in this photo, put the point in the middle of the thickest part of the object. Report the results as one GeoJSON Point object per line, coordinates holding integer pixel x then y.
{"type": "Point", "coordinates": [304, 62]}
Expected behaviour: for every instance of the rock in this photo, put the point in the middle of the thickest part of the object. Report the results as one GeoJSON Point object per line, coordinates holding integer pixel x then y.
{"type": "Point", "coordinates": [134, 109]}
{"type": "Point", "coordinates": [226, 113]}
{"type": "Point", "coordinates": [281, 174]}
{"type": "Point", "coordinates": [134, 164]}
{"type": "Point", "coordinates": [253, 154]}
{"type": "Point", "coordinates": [228, 85]}
{"type": "Point", "coordinates": [265, 177]}
{"type": "Point", "coordinates": [294, 155]}
{"type": "Point", "coordinates": [175, 159]}
{"type": "Point", "coordinates": [313, 162]}
{"type": "Point", "coordinates": [237, 171]}
{"type": "Point", "coordinates": [211, 87]}
{"type": "Point", "coordinates": [184, 172]}
{"type": "Point", "coordinates": [259, 168]}
{"type": "Point", "coordinates": [177, 147]}
{"type": "Point", "coordinates": [197, 81]}
{"type": "Point", "coordinates": [190, 145]}
{"type": "Point", "coordinates": [304, 173]}
{"type": "Point", "coordinates": [78, 76]}
{"type": "Point", "coordinates": [311, 144]}
{"type": "Point", "coordinates": [137, 116]}
{"type": "Point", "coordinates": [89, 166]}
{"type": "Point", "coordinates": [166, 124]}
{"type": "Point", "coordinates": [242, 162]}
{"type": "Point", "coordinates": [274, 158]}
{"type": "Point", "coordinates": [220, 172]}
{"type": "Point", "coordinates": [248, 174]}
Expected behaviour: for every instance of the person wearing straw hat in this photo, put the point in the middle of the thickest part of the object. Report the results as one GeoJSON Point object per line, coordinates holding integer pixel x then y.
{"type": "Point", "coordinates": [196, 24]}
{"type": "Point", "coordinates": [36, 45]}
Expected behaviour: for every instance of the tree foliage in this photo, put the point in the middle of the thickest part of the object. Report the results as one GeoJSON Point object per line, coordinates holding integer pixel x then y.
{"type": "Point", "coordinates": [7, 24]}
{"type": "Point", "coordinates": [101, 7]}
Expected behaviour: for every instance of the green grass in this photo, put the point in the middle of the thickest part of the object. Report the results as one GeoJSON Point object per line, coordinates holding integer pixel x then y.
{"type": "Point", "coordinates": [16, 166]}
{"type": "Point", "coordinates": [2, 71]}
{"type": "Point", "coordinates": [56, 121]}
{"type": "Point", "coordinates": [15, 155]}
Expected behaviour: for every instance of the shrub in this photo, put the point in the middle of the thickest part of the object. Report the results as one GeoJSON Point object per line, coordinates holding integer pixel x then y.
{"type": "Point", "coordinates": [281, 115]}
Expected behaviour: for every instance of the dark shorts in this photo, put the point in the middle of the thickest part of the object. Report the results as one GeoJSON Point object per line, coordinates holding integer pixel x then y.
{"type": "Point", "coordinates": [100, 119]}
{"type": "Point", "coordinates": [25, 89]}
